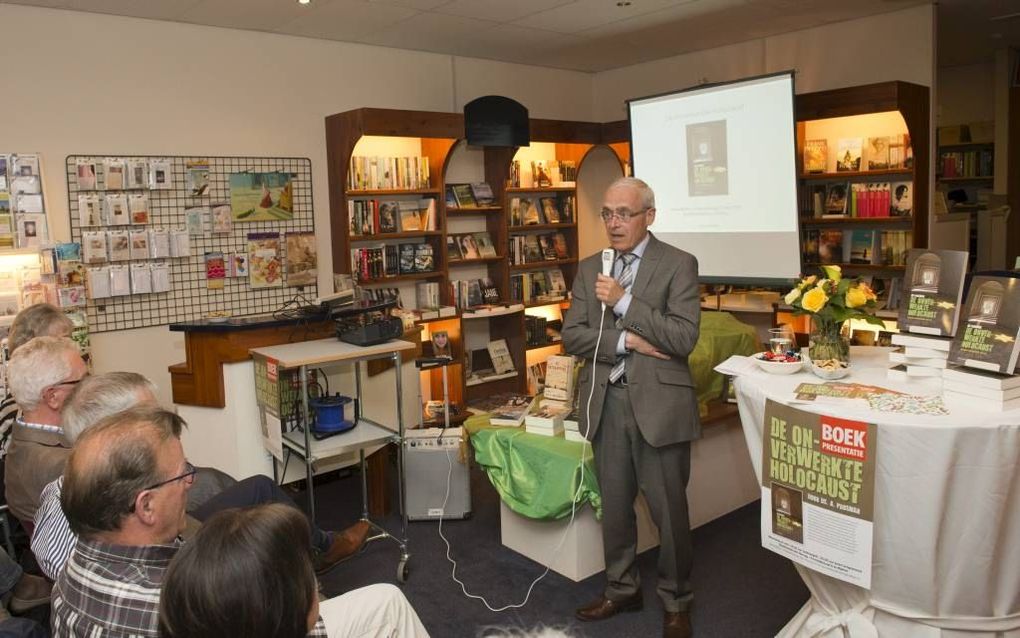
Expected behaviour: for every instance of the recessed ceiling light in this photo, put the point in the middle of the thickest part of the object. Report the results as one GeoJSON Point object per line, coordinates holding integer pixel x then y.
{"type": "Point", "coordinates": [304, 1]}
{"type": "Point", "coordinates": [623, 3]}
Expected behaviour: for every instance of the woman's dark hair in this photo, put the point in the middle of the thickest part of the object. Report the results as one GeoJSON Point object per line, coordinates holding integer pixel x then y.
{"type": "Point", "coordinates": [247, 572]}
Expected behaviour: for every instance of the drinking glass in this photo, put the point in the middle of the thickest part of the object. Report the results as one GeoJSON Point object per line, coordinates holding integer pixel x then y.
{"type": "Point", "coordinates": [781, 340]}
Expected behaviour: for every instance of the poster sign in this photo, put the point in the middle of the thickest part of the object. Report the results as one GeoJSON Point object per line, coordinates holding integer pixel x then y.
{"type": "Point", "coordinates": [818, 491]}
{"type": "Point", "coordinates": [267, 396]}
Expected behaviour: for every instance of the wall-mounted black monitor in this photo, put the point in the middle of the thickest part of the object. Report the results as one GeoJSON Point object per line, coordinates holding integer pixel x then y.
{"type": "Point", "coordinates": [494, 120]}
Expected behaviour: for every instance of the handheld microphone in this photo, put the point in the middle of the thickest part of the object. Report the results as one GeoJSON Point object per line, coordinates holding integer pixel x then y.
{"type": "Point", "coordinates": [608, 254]}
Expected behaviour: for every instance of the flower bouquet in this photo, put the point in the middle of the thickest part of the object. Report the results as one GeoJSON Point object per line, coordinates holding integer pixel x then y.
{"type": "Point", "coordinates": [830, 301]}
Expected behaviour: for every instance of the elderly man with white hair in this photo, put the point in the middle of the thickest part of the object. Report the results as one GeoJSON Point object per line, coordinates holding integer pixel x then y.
{"type": "Point", "coordinates": [41, 375]}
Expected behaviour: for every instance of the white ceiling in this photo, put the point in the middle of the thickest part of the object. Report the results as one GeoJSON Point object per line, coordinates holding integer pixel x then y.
{"type": "Point", "coordinates": [583, 35]}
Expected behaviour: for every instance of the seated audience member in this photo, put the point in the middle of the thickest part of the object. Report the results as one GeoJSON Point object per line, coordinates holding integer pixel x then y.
{"type": "Point", "coordinates": [125, 488]}
{"type": "Point", "coordinates": [248, 573]}
{"type": "Point", "coordinates": [100, 396]}
{"type": "Point", "coordinates": [25, 590]}
{"type": "Point", "coordinates": [41, 375]}
{"type": "Point", "coordinates": [39, 320]}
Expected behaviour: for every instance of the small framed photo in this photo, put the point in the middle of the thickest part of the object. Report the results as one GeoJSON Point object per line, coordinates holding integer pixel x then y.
{"type": "Point", "coordinates": [441, 344]}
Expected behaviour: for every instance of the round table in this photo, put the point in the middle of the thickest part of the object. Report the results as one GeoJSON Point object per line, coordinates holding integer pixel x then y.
{"type": "Point", "coordinates": [946, 550]}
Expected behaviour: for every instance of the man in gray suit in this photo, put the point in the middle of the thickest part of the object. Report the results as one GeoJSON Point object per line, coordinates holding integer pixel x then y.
{"type": "Point", "coordinates": [643, 411]}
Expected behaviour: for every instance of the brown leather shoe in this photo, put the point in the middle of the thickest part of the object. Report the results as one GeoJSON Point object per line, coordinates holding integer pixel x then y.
{"type": "Point", "coordinates": [676, 625]}
{"type": "Point", "coordinates": [605, 608]}
{"type": "Point", "coordinates": [345, 544]}
{"type": "Point", "coordinates": [30, 591]}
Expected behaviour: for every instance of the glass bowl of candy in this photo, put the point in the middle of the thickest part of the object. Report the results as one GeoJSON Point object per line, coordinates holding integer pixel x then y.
{"type": "Point", "coordinates": [830, 369]}
{"type": "Point", "coordinates": [779, 363]}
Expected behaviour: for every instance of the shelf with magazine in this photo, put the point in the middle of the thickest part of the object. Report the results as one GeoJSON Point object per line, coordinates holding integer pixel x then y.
{"type": "Point", "coordinates": [863, 166]}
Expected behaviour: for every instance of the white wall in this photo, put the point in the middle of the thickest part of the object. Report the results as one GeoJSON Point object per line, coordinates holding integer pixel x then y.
{"type": "Point", "coordinates": [105, 84]}
{"type": "Point", "coordinates": [891, 46]}
{"type": "Point", "coordinates": [965, 94]}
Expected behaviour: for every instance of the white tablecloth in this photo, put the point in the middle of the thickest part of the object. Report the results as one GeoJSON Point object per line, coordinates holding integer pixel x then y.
{"type": "Point", "coordinates": [946, 557]}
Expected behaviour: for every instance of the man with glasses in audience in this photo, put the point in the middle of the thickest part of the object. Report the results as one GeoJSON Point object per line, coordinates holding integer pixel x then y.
{"type": "Point", "coordinates": [643, 409]}
{"type": "Point", "coordinates": [41, 375]}
{"type": "Point", "coordinates": [101, 396]}
{"type": "Point", "coordinates": [124, 494]}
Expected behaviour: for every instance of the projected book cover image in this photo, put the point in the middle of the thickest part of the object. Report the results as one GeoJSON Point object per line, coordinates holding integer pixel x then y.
{"type": "Point", "coordinates": [934, 279]}
{"type": "Point", "coordinates": [707, 166]}
{"type": "Point", "coordinates": [988, 341]}
{"type": "Point", "coordinates": [788, 512]}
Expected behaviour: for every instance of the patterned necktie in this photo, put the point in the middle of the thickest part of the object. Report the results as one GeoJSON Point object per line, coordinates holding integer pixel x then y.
{"type": "Point", "coordinates": [625, 279]}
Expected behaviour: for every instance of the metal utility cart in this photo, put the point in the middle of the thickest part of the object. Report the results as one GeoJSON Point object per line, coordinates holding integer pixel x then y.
{"type": "Point", "coordinates": [286, 430]}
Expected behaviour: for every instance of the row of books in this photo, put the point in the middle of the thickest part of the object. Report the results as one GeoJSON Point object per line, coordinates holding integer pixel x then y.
{"type": "Point", "coordinates": [538, 285]}
{"type": "Point", "coordinates": [391, 260]}
{"type": "Point", "coordinates": [469, 195]}
{"type": "Point", "coordinates": [529, 249]}
{"type": "Point", "coordinates": [976, 163]}
{"type": "Point", "coordinates": [375, 173]}
{"type": "Point", "coordinates": [524, 211]}
{"type": "Point", "coordinates": [469, 246]}
{"type": "Point", "coordinates": [835, 246]}
{"type": "Point", "coordinates": [860, 154]}
{"type": "Point", "coordinates": [542, 173]}
{"type": "Point", "coordinates": [472, 293]}
{"type": "Point", "coordinates": [373, 216]}
{"type": "Point", "coordinates": [539, 331]}
{"type": "Point", "coordinates": [874, 199]}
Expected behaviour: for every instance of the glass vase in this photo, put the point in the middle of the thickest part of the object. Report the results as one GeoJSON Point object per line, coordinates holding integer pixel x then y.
{"type": "Point", "coordinates": [828, 343]}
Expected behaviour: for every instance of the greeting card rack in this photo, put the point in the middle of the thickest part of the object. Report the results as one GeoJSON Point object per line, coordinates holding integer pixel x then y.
{"type": "Point", "coordinates": [190, 296]}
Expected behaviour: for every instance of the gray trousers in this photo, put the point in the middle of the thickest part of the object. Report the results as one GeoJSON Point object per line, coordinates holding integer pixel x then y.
{"type": "Point", "coordinates": [625, 463]}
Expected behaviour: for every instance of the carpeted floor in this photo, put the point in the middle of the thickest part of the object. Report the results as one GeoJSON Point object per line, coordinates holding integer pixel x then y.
{"type": "Point", "coordinates": [740, 589]}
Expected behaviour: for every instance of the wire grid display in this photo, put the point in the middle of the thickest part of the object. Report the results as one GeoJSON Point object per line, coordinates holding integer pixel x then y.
{"type": "Point", "coordinates": [189, 297]}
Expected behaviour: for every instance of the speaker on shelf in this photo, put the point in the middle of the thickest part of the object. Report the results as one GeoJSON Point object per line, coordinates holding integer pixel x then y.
{"type": "Point", "coordinates": [494, 120]}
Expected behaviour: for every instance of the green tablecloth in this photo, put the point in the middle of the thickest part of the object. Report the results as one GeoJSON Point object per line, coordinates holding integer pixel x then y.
{"type": "Point", "coordinates": [537, 476]}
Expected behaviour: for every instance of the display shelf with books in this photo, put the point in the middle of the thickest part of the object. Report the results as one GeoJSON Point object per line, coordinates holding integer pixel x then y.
{"type": "Point", "coordinates": [863, 166]}
{"type": "Point", "coordinates": [421, 156]}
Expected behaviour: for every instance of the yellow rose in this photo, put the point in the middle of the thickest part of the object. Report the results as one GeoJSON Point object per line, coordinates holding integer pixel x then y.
{"type": "Point", "coordinates": [868, 292]}
{"type": "Point", "coordinates": [855, 297]}
{"type": "Point", "coordinates": [792, 296]}
{"type": "Point", "coordinates": [808, 281]}
{"type": "Point", "coordinates": [834, 273]}
{"type": "Point", "coordinates": [814, 300]}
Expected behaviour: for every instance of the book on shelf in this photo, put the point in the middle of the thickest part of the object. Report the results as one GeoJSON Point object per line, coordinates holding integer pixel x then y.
{"type": "Point", "coordinates": [877, 153]}
{"type": "Point", "coordinates": [532, 249]}
{"type": "Point", "coordinates": [989, 338]}
{"type": "Point", "coordinates": [900, 152]}
{"type": "Point", "coordinates": [934, 288]}
{"type": "Point", "coordinates": [830, 246]}
{"type": "Point", "coordinates": [451, 197]}
{"type": "Point", "coordinates": [468, 246]}
{"type": "Point", "coordinates": [389, 217]}
{"type": "Point", "coordinates": [424, 258]}
{"type": "Point", "coordinates": [895, 246]}
{"type": "Point", "coordinates": [545, 243]}
{"type": "Point", "coordinates": [809, 245]}
{"type": "Point", "coordinates": [427, 297]}
{"type": "Point", "coordinates": [516, 216]}
{"type": "Point", "coordinates": [482, 193]}
{"type": "Point", "coordinates": [464, 195]}
{"type": "Point", "coordinates": [550, 210]}
{"type": "Point", "coordinates": [534, 331]}
{"type": "Point", "coordinates": [474, 294]}
{"type": "Point", "coordinates": [388, 173]}
{"type": "Point", "coordinates": [848, 155]}
{"type": "Point", "coordinates": [557, 282]}
{"type": "Point", "coordinates": [484, 244]}
{"type": "Point", "coordinates": [560, 244]}
{"type": "Point", "coordinates": [835, 199]}
{"type": "Point", "coordinates": [499, 352]}
{"type": "Point", "coordinates": [816, 156]}
{"type": "Point", "coordinates": [391, 260]}
{"type": "Point", "coordinates": [512, 411]}
{"type": "Point", "coordinates": [427, 213]}
{"type": "Point", "coordinates": [453, 249]}
{"type": "Point", "coordinates": [410, 217]}
{"type": "Point", "coordinates": [863, 246]}
{"type": "Point", "coordinates": [490, 291]}
{"type": "Point", "coordinates": [901, 199]}
{"type": "Point", "coordinates": [816, 200]}
{"type": "Point", "coordinates": [530, 213]}
{"type": "Point", "coordinates": [407, 253]}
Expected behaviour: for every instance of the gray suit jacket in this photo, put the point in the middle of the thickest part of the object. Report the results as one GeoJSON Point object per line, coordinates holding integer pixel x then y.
{"type": "Point", "coordinates": [666, 311]}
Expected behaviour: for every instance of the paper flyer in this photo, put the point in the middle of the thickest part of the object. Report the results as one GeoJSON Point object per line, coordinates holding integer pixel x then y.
{"type": "Point", "coordinates": [818, 491]}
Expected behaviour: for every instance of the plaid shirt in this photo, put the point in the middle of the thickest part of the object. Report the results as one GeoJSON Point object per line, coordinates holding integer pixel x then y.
{"type": "Point", "coordinates": [112, 591]}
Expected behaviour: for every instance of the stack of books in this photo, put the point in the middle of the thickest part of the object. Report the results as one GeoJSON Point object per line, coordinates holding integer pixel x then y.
{"type": "Point", "coordinates": [919, 358]}
{"type": "Point", "coordinates": [555, 408]}
{"type": "Point", "coordinates": [969, 385]}
{"type": "Point", "coordinates": [547, 419]}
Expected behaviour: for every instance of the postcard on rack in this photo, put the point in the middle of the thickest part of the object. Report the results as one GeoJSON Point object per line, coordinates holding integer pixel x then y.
{"type": "Point", "coordinates": [160, 276]}
{"type": "Point", "coordinates": [159, 243]}
{"type": "Point", "coordinates": [29, 203]}
{"type": "Point", "coordinates": [31, 230]}
{"type": "Point", "coordinates": [70, 251]}
{"type": "Point", "coordinates": [139, 244]}
{"type": "Point", "coordinates": [94, 249]}
{"type": "Point", "coordinates": [215, 270]}
{"type": "Point", "coordinates": [138, 206]}
{"type": "Point", "coordinates": [161, 174]}
{"type": "Point", "coordinates": [141, 278]}
{"type": "Point", "coordinates": [70, 273]}
{"type": "Point", "coordinates": [238, 264]}
{"type": "Point", "coordinates": [197, 220]}
{"type": "Point", "coordinates": [261, 197]}
{"type": "Point", "coordinates": [180, 243]}
{"type": "Point", "coordinates": [264, 264]}
{"type": "Point", "coordinates": [302, 260]}
{"type": "Point", "coordinates": [71, 297]}
{"type": "Point", "coordinates": [116, 205]}
{"type": "Point", "coordinates": [196, 177]}
{"type": "Point", "coordinates": [89, 212]}
{"type": "Point", "coordinates": [120, 280]}
{"type": "Point", "coordinates": [85, 170]}
{"type": "Point", "coordinates": [222, 221]}
{"type": "Point", "coordinates": [113, 173]}
{"type": "Point", "coordinates": [119, 242]}
{"type": "Point", "coordinates": [3, 172]}
{"type": "Point", "coordinates": [136, 173]}
{"type": "Point", "coordinates": [98, 282]}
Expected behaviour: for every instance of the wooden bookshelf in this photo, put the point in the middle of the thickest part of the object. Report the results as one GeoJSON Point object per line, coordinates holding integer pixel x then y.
{"type": "Point", "coordinates": [438, 137]}
{"type": "Point", "coordinates": [899, 106]}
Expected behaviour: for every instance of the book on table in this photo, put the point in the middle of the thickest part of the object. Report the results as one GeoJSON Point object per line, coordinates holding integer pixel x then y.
{"type": "Point", "coordinates": [989, 339]}
{"type": "Point", "coordinates": [933, 283]}
{"type": "Point", "coordinates": [982, 378]}
{"type": "Point", "coordinates": [512, 411]}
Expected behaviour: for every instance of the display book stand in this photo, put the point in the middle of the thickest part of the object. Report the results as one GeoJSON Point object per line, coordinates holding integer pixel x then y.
{"type": "Point", "coordinates": [281, 387]}
{"type": "Point", "coordinates": [438, 137]}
